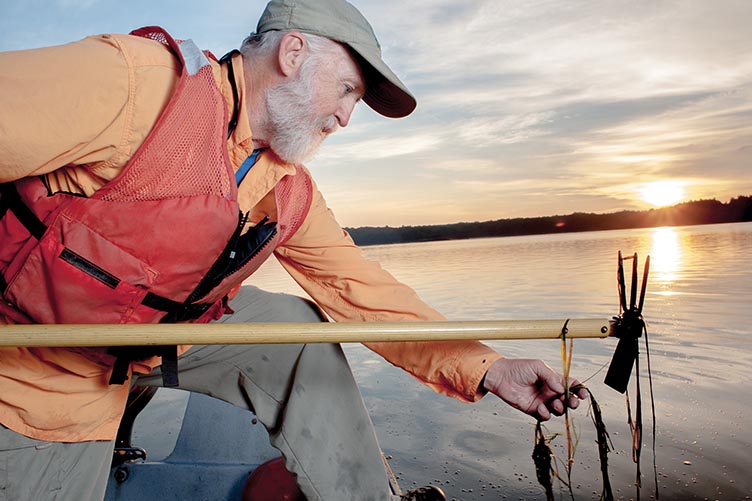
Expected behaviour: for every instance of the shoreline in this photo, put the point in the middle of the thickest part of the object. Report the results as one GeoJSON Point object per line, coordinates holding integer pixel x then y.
{"type": "Point", "coordinates": [695, 213]}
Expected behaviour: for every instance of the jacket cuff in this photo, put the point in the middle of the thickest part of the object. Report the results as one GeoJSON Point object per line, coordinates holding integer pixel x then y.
{"type": "Point", "coordinates": [472, 369]}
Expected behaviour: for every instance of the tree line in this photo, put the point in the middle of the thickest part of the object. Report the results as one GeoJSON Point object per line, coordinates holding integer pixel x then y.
{"type": "Point", "coordinates": [696, 212]}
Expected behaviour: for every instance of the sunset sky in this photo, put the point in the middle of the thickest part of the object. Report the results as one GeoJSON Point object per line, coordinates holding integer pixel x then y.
{"type": "Point", "coordinates": [525, 108]}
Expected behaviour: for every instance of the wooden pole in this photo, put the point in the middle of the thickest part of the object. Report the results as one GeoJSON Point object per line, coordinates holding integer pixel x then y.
{"type": "Point", "coordinates": [282, 333]}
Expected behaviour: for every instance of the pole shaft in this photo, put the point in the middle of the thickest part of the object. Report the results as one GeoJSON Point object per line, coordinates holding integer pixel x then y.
{"type": "Point", "coordinates": [77, 335]}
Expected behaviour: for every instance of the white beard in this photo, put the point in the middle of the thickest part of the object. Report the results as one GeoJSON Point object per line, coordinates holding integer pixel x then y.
{"type": "Point", "coordinates": [295, 131]}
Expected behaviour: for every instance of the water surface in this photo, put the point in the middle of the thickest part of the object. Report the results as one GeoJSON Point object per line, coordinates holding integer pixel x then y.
{"type": "Point", "coordinates": [698, 312]}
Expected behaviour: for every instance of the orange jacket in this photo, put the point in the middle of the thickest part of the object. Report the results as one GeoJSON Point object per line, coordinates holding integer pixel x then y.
{"type": "Point", "coordinates": [123, 83]}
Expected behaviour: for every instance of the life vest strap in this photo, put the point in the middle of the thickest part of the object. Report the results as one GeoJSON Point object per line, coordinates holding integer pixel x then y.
{"type": "Point", "coordinates": [125, 355]}
{"type": "Point", "coordinates": [245, 167]}
{"type": "Point", "coordinates": [12, 200]}
{"type": "Point", "coordinates": [176, 312]}
{"type": "Point", "coordinates": [4, 205]}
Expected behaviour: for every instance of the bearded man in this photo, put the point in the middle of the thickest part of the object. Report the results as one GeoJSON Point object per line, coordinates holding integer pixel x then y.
{"type": "Point", "coordinates": [143, 182]}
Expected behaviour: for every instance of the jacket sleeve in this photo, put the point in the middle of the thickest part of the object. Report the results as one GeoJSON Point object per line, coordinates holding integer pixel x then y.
{"type": "Point", "coordinates": [328, 265]}
{"type": "Point", "coordinates": [86, 103]}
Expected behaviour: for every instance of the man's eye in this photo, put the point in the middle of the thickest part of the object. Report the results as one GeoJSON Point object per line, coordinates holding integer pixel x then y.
{"type": "Point", "coordinates": [348, 89]}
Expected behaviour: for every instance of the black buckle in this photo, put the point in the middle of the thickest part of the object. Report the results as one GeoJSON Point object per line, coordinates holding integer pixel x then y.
{"type": "Point", "coordinates": [185, 312]}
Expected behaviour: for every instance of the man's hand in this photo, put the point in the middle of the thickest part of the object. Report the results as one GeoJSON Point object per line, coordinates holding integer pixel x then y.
{"type": "Point", "coordinates": [530, 386]}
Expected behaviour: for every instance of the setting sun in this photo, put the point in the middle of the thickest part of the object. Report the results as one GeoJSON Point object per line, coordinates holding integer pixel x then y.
{"type": "Point", "coordinates": [662, 193]}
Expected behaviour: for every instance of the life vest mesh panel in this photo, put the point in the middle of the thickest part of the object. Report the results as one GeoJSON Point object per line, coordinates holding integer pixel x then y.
{"type": "Point", "coordinates": [179, 153]}
{"type": "Point", "coordinates": [157, 36]}
{"type": "Point", "coordinates": [295, 192]}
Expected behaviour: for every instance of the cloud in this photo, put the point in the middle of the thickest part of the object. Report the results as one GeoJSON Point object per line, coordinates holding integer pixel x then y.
{"type": "Point", "coordinates": [505, 130]}
{"type": "Point", "coordinates": [531, 107]}
{"type": "Point", "coordinates": [379, 148]}
{"type": "Point", "coordinates": [463, 167]}
{"type": "Point", "coordinates": [675, 135]}
{"type": "Point", "coordinates": [549, 53]}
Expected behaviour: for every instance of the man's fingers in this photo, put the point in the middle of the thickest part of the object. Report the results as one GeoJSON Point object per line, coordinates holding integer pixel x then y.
{"type": "Point", "coordinates": [581, 391]}
{"type": "Point", "coordinates": [551, 379]}
{"type": "Point", "coordinates": [543, 413]}
{"type": "Point", "coordinates": [558, 407]}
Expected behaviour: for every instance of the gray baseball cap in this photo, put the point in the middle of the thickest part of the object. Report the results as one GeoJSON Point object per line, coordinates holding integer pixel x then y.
{"type": "Point", "coordinates": [338, 20]}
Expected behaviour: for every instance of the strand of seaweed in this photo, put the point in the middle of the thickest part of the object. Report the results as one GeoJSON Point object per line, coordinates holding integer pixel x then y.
{"type": "Point", "coordinates": [631, 325]}
{"type": "Point", "coordinates": [603, 440]}
{"type": "Point", "coordinates": [652, 410]}
{"type": "Point", "coordinates": [546, 468]}
{"type": "Point", "coordinates": [566, 362]}
{"type": "Point", "coordinates": [636, 425]}
{"type": "Point", "coordinates": [542, 455]}
{"type": "Point", "coordinates": [544, 459]}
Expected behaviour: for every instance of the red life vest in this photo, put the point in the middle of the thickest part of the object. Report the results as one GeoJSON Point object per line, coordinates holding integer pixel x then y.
{"type": "Point", "coordinates": [162, 242]}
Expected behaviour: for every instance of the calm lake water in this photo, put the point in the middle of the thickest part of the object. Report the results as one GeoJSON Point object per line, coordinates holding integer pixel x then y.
{"type": "Point", "coordinates": [698, 312]}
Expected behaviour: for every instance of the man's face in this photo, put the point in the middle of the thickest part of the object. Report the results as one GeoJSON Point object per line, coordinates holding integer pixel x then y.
{"type": "Point", "coordinates": [303, 112]}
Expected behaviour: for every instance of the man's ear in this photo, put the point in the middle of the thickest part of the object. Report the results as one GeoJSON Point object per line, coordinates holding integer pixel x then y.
{"type": "Point", "coordinates": [291, 54]}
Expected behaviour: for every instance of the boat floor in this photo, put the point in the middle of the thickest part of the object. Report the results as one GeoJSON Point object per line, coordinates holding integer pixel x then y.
{"type": "Point", "coordinates": [217, 447]}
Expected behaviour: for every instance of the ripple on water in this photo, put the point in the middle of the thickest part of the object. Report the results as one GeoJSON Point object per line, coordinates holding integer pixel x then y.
{"type": "Point", "coordinates": [483, 444]}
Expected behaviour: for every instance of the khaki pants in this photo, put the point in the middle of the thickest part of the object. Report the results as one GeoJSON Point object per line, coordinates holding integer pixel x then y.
{"type": "Point", "coordinates": [305, 396]}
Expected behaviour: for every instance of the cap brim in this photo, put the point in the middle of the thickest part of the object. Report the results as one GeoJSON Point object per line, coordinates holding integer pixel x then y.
{"type": "Point", "coordinates": [385, 92]}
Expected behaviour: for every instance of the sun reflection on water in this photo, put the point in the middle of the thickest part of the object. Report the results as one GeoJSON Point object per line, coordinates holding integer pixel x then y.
{"type": "Point", "coordinates": [665, 255]}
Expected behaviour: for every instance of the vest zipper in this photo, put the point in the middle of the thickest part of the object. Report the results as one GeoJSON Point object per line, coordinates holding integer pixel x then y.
{"type": "Point", "coordinates": [256, 252]}
{"type": "Point", "coordinates": [257, 249]}
{"type": "Point", "coordinates": [240, 250]}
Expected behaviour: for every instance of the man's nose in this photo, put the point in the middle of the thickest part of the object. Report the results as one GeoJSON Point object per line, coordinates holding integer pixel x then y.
{"type": "Point", "coordinates": [344, 112]}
